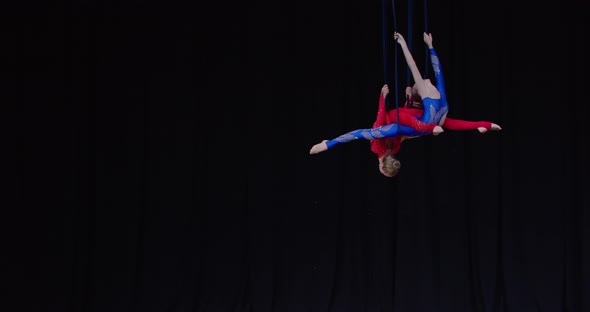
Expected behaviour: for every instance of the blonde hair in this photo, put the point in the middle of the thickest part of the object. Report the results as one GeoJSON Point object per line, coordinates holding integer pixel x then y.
{"type": "Point", "coordinates": [391, 165]}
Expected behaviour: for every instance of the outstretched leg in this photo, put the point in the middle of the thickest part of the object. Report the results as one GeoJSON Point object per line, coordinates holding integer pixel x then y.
{"type": "Point", "coordinates": [387, 131]}
{"type": "Point", "coordinates": [481, 126]}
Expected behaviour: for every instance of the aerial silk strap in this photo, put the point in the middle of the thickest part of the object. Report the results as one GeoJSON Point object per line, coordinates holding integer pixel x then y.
{"type": "Point", "coordinates": [426, 52]}
{"type": "Point", "coordinates": [395, 62]}
{"type": "Point", "coordinates": [410, 38]}
{"type": "Point", "coordinates": [384, 31]}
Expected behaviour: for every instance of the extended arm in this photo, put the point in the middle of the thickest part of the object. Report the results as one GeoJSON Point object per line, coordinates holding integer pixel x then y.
{"type": "Point", "coordinates": [380, 147]}
{"type": "Point", "coordinates": [381, 118]}
{"type": "Point", "coordinates": [411, 63]}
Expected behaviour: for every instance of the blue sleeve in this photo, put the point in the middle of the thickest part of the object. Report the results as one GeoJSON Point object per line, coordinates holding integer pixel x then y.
{"type": "Point", "coordinates": [386, 131]}
{"type": "Point", "coordinates": [440, 82]}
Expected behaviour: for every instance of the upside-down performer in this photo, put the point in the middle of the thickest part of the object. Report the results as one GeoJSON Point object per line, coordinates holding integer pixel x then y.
{"type": "Point", "coordinates": [386, 135]}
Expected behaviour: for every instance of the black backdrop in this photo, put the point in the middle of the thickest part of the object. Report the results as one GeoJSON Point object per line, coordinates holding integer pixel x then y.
{"type": "Point", "coordinates": [162, 159]}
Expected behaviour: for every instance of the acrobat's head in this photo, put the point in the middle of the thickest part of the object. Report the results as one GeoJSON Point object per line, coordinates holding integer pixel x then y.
{"type": "Point", "coordinates": [389, 165]}
{"type": "Point", "coordinates": [415, 99]}
{"type": "Point", "coordinates": [416, 103]}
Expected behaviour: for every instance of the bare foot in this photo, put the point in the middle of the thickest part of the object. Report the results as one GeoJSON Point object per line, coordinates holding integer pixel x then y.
{"type": "Point", "coordinates": [494, 127]}
{"type": "Point", "coordinates": [437, 130]}
{"type": "Point", "coordinates": [318, 148]}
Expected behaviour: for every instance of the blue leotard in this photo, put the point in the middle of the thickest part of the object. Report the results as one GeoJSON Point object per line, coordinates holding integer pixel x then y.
{"type": "Point", "coordinates": [435, 111]}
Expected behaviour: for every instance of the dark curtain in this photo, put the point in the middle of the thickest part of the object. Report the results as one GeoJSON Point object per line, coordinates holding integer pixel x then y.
{"type": "Point", "coordinates": [161, 159]}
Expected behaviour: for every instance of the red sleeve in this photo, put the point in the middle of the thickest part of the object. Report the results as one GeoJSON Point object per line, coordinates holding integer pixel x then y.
{"type": "Point", "coordinates": [379, 146]}
{"type": "Point", "coordinates": [381, 118]}
{"type": "Point", "coordinates": [456, 124]}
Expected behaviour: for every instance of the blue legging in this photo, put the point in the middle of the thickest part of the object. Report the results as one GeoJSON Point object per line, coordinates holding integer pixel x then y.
{"type": "Point", "coordinates": [386, 131]}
